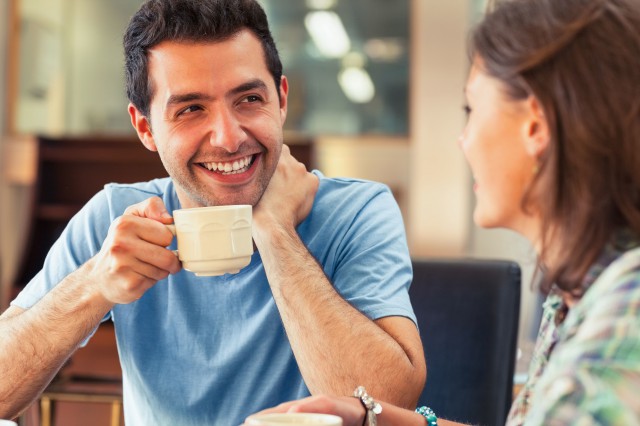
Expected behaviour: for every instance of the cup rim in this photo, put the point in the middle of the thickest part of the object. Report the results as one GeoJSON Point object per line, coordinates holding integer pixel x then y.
{"type": "Point", "coordinates": [322, 416]}
{"type": "Point", "coordinates": [216, 208]}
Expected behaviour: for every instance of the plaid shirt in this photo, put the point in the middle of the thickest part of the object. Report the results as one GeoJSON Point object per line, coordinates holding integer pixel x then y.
{"type": "Point", "coordinates": [585, 368]}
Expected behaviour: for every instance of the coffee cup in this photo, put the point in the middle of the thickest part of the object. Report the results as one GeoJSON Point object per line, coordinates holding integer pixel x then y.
{"type": "Point", "coordinates": [213, 240]}
{"type": "Point", "coordinates": [288, 419]}
{"type": "Point", "coordinates": [8, 423]}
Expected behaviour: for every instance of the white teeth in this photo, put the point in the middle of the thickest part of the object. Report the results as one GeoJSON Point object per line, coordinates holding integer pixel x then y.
{"type": "Point", "coordinates": [237, 166]}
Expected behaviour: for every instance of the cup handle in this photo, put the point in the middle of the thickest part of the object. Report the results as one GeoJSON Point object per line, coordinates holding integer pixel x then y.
{"type": "Point", "coordinates": [172, 228]}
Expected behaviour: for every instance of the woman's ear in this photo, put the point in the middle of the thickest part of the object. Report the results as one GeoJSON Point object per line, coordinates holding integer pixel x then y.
{"type": "Point", "coordinates": [142, 127]}
{"type": "Point", "coordinates": [536, 128]}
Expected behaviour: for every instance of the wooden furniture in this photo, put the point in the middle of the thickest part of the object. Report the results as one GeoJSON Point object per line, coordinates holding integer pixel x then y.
{"type": "Point", "coordinates": [88, 390]}
{"type": "Point", "coordinates": [70, 170]}
{"type": "Point", "coordinates": [468, 311]}
{"type": "Point", "coordinates": [72, 390]}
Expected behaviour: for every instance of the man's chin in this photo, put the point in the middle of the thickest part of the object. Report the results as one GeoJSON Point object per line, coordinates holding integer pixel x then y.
{"type": "Point", "coordinates": [231, 200]}
{"type": "Point", "coordinates": [204, 197]}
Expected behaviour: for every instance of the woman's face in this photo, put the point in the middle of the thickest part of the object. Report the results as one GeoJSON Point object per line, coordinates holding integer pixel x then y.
{"type": "Point", "coordinates": [501, 143]}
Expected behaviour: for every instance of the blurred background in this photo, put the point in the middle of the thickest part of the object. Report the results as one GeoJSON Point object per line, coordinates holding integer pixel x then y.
{"type": "Point", "coordinates": [376, 92]}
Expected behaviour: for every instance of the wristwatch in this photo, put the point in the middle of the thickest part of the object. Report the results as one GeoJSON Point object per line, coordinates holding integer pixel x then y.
{"type": "Point", "coordinates": [371, 407]}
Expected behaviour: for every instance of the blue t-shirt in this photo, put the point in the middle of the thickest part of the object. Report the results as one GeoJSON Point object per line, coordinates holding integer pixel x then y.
{"type": "Point", "coordinates": [212, 350]}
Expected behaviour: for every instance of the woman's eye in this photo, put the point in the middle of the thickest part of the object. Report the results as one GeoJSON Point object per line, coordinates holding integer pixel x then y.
{"type": "Point", "coordinates": [467, 110]}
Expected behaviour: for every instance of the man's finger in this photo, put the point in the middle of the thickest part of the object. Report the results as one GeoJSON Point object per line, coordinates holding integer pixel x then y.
{"type": "Point", "coordinates": [151, 208]}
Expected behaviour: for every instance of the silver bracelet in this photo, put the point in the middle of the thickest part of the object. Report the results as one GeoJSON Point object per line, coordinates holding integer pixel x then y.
{"type": "Point", "coordinates": [370, 405]}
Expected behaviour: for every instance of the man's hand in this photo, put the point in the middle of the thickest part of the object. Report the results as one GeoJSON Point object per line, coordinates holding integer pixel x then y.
{"type": "Point", "coordinates": [134, 256]}
{"type": "Point", "coordinates": [289, 197]}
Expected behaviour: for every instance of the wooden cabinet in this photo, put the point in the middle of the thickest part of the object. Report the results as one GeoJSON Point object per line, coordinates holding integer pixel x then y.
{"type": "Point", "coordinates": [70, 170]}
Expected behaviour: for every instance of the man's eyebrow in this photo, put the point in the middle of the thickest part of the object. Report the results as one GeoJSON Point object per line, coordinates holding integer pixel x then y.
{"type": "Point", "coordinates": [248, 86]}
{"type": "Point", "coordinates": [181, 98]}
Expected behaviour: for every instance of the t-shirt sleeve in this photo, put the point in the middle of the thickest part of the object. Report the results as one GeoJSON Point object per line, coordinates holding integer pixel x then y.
{"type": "Point", "coordinates": [372, 267]}
{"type": "Point", "coordinates": [80, 240]}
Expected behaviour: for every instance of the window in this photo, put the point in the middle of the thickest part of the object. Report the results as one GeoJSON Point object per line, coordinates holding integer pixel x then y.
{"type": "Point", "coordinates": [351, 79]}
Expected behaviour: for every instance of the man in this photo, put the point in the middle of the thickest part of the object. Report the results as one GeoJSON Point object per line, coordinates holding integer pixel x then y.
{"type": "Point", "coordinates": [323, 305]}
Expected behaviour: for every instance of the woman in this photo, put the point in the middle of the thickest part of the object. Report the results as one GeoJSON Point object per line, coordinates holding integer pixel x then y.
{"type": "Point", "coordinates": [553, 141]}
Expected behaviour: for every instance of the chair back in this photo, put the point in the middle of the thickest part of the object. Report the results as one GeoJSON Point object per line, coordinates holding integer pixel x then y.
{"type": "Point", "coordinates": [468, 312]}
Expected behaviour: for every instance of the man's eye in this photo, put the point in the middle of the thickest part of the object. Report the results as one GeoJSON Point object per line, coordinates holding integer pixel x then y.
{"type": "Point", "coordinates": [189, 109]}
{"type": "Point", "coordinates": [252, 98]}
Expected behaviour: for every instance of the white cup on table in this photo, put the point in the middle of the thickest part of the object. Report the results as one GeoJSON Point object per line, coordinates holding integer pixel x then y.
{"type": "Point", "coordinates": [213, 240]}
{"type": "Point", "coordinates": [289, 419]}
{"type": "Point", "coordinates": [7, 423]}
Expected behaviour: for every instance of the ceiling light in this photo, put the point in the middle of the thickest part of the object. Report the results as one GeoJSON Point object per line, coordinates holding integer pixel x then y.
{"type": "Point", "coordinates": [328, 33]}
{"type": "Point", "coordinates": [321, 4]}
{"type": "Point", "coordinates": [384, 49]}
{"type": "Point", "coordinates": [356, 85]}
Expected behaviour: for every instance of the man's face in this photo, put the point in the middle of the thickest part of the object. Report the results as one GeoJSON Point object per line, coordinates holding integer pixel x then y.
{"type": "Point", "coordinates": [215, 119]}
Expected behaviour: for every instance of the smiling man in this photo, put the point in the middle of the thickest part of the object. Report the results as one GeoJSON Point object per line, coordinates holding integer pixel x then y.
{"type": "Point", "coordinates": [323, 305]}
{"type": "Point", "coordinates": [215, 119]}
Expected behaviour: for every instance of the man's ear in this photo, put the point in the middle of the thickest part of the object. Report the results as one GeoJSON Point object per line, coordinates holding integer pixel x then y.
{"type": "Point", "coordinates": [143, 128]}
{"type": "Point", "coordinates": [284, 92]}
{"type": "Point", "coordinates": [536, 128]}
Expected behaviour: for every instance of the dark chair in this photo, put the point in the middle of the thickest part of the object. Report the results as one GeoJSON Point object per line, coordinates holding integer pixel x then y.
{"type": "Point", "coordinates": [468, 312]}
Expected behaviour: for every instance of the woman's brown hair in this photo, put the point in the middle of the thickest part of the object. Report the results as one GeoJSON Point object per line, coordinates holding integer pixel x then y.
{"type": "Point", "coordinates": [581, 60]}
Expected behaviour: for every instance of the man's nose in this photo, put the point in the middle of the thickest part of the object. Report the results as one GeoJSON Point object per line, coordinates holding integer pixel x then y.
{"type": "Point", "coordinates": [227, 131]}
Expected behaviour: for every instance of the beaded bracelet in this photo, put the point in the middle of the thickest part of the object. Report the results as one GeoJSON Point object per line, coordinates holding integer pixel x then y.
{"type": "Point", "coordinates": [428, 414]}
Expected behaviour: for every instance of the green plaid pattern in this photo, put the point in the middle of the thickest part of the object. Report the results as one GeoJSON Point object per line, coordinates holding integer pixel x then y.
{"type": "Point", "coordinates": [585, 368]}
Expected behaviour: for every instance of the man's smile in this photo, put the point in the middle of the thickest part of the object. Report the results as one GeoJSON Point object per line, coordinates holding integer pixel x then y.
{"type": "Point", "coordinates": [230, 167]}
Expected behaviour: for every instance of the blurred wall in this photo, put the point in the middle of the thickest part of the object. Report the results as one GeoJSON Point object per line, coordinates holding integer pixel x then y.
{"type": "Point", "coordinates": [97, 23]}
{"type": "Point", "coordinates": [4, 25]}
{"type": "Point", "coordinates": [4, 21]}
{"type": "Point", "coordinates": [439, 202]}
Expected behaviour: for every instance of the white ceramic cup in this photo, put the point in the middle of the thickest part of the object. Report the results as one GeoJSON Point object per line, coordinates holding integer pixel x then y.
{"type": "Point", "coordinates": [303, 419]}
{"type": "Point", "coordinates": [213, 240]}
{"type": "Point", "coordinates": [7, 423]}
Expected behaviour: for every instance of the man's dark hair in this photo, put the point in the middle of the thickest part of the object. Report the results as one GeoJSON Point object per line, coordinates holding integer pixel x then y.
{"type": "Point", "coordinates": [189, 21]}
